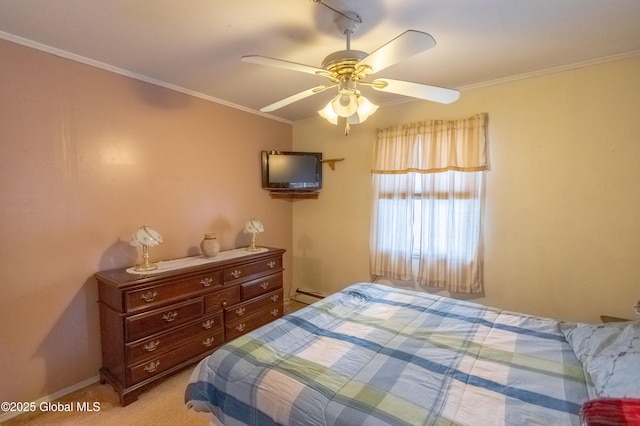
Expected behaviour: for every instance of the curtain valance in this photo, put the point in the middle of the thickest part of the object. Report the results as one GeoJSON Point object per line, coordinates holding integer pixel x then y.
{"type": "Point", "coordinates": [432, 146]}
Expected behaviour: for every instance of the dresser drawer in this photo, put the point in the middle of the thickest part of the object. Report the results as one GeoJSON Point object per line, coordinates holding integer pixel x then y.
{"type": "Point", "coordinates": [251, 270]}
{"type": "Point", "coordinates": [138, 326]}
{"type": "Point", "coordinates": [261, 286]}
{"type": "Point", "coordinates": [158, 294]}
{"type": "Point", "coordinates": [159, 343]}
{"type": "Point", "coordinates": [221, 299]}
{"type": "Point", "coordinates": [252, 322]}
{"type": "Point", "coordinates": [245, 309]}
{"type": "Point", "coordinates": [200, 346]}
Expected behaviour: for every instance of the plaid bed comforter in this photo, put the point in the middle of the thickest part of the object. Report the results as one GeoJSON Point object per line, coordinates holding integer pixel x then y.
{"type": "Point", "coordinates": [377, 355]}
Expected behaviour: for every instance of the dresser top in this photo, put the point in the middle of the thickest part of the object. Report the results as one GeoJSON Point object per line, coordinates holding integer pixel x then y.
{"type": "Point", "coordinates": [186, 265]}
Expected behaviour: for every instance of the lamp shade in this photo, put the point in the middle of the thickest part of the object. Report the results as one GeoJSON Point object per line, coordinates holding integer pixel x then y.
{"type": "Point", "coordinates": [345, 103]}
{"type": "Point", "coordinates": [365, 109]}
{"type": "Point", "coordinates": [253, 226]}
{"type": "Point", "coordinates": [329, 114]}
{"type": "Point", "coordinates": [145, 236]}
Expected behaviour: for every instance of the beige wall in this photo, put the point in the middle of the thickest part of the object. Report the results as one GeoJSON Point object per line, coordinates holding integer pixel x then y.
{"type": "Point", "coordinates": [88, 156]}
{"type": "Point", "coordinates": [562, 234]}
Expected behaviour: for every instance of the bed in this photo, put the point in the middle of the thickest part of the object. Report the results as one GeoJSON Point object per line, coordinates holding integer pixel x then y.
{"type": "Point", "coordinates": [375, 355]}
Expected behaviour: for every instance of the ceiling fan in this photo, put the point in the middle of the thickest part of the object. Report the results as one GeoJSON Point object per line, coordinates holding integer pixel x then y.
{"type": "Point", "coordinates": [348, 70]}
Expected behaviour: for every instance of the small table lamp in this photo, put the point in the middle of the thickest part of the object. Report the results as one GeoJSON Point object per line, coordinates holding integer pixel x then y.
{"type": "Point", "coordinates": [145, 237]}
{"type": "Point", "coordinates": [253, 226]}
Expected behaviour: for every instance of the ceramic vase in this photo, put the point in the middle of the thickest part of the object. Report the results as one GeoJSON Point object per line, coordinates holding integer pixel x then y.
{"type": "Point", "coordinates": [210, 245]}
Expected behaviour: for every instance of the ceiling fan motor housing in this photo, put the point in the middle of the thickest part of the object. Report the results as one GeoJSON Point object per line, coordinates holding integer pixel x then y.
{"type": "Point", "coordinates": [341, 65]}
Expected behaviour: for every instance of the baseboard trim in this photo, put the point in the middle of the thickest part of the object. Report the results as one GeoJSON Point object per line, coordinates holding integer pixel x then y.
{"type": "Point", "coordinates": [53, 397]}
{"type": "Point", "coordinates": [308, 297]}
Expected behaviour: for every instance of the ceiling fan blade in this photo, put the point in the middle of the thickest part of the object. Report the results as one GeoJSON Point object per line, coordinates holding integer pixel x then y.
{"type": "Point", "coordinates": [294, 98]}
{"type": "Point", "coordinates": [272, 62]}
{"type": "Point", "coordinates": [416, 90]}
{"type": "Point", "coordinates": [404, 46]}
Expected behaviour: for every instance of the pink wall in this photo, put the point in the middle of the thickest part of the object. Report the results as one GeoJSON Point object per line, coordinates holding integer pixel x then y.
{"type": "Point", "coordinates": [88, 156]}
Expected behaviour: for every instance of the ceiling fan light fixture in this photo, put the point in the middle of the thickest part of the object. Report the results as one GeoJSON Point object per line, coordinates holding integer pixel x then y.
{"type": "Point", "coordinates": [364, 109]}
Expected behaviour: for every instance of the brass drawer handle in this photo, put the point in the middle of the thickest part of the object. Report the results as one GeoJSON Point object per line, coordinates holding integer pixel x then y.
{"type": "Point", "coordinates": [275, 312]}
{"type": "Point", "coordinates": [264, 285]}
{"type": "Point", "coordinates": [151, 346]}
{"type": "Point", "coordinates": [240, 311]}
{"type": "Point", "coordinates": [206, 282]}
{"type": "Point", "coordinates": [152, 366]}
{"type": "Point", "coordinates": [208, 324]}
{"type": "Point", "coordinates": [170, 316]}
{"type": "Point", "coordinates": [236, 273]}
{"type": "Point", "coordinates": [208, 341]}
{"type": "Point", "coordinates": [272, 264]}
{"type": "Point", "coordinates": [149, 296]}
{"type": "Point", "coordinates": [240, 327]}
{"type": "Point", "coordinates": [275, 298]}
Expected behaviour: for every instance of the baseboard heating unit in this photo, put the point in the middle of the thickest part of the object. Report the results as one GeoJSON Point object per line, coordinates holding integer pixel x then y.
{"type": "Point", "coordinates": [307, 296]}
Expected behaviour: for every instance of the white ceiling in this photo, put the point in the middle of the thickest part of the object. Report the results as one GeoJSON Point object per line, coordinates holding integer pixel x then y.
{"type": "Point", "coordinates": [196, 45]}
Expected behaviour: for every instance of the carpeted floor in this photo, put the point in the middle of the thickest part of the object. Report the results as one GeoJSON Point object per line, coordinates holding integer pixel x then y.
{"type": "Point", "coordinates": [160, 405]}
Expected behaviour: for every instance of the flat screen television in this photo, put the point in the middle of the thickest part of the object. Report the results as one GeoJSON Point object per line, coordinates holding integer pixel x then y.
{"type": "Point", "coordinates": [291, 171]}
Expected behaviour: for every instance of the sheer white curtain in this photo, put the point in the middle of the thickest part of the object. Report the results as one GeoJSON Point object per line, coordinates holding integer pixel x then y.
{"type": "Point", "coordinates": [428, 184]}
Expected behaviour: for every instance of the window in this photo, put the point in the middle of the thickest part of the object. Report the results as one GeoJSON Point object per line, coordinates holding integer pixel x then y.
{"type": "Point", "coordinates": [432, 213]}
{"type": "Point", "coordinates": [447, 215]}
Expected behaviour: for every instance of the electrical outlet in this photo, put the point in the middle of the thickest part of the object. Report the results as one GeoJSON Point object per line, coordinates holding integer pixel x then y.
{"type": "Point", "coordinates": [636, 308]}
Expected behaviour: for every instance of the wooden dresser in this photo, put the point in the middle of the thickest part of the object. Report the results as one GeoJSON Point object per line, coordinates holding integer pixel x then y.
{"type": "Point", "coordinates": [155, 324]}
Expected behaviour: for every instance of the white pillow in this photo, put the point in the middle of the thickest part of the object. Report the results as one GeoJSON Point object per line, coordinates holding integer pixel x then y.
{"type": "Point", "coordinates": [610, 355]}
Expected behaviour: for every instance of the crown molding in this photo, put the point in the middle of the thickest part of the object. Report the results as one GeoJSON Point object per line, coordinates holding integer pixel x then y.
{"type": "Point", "coordinates": [126, 73]}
